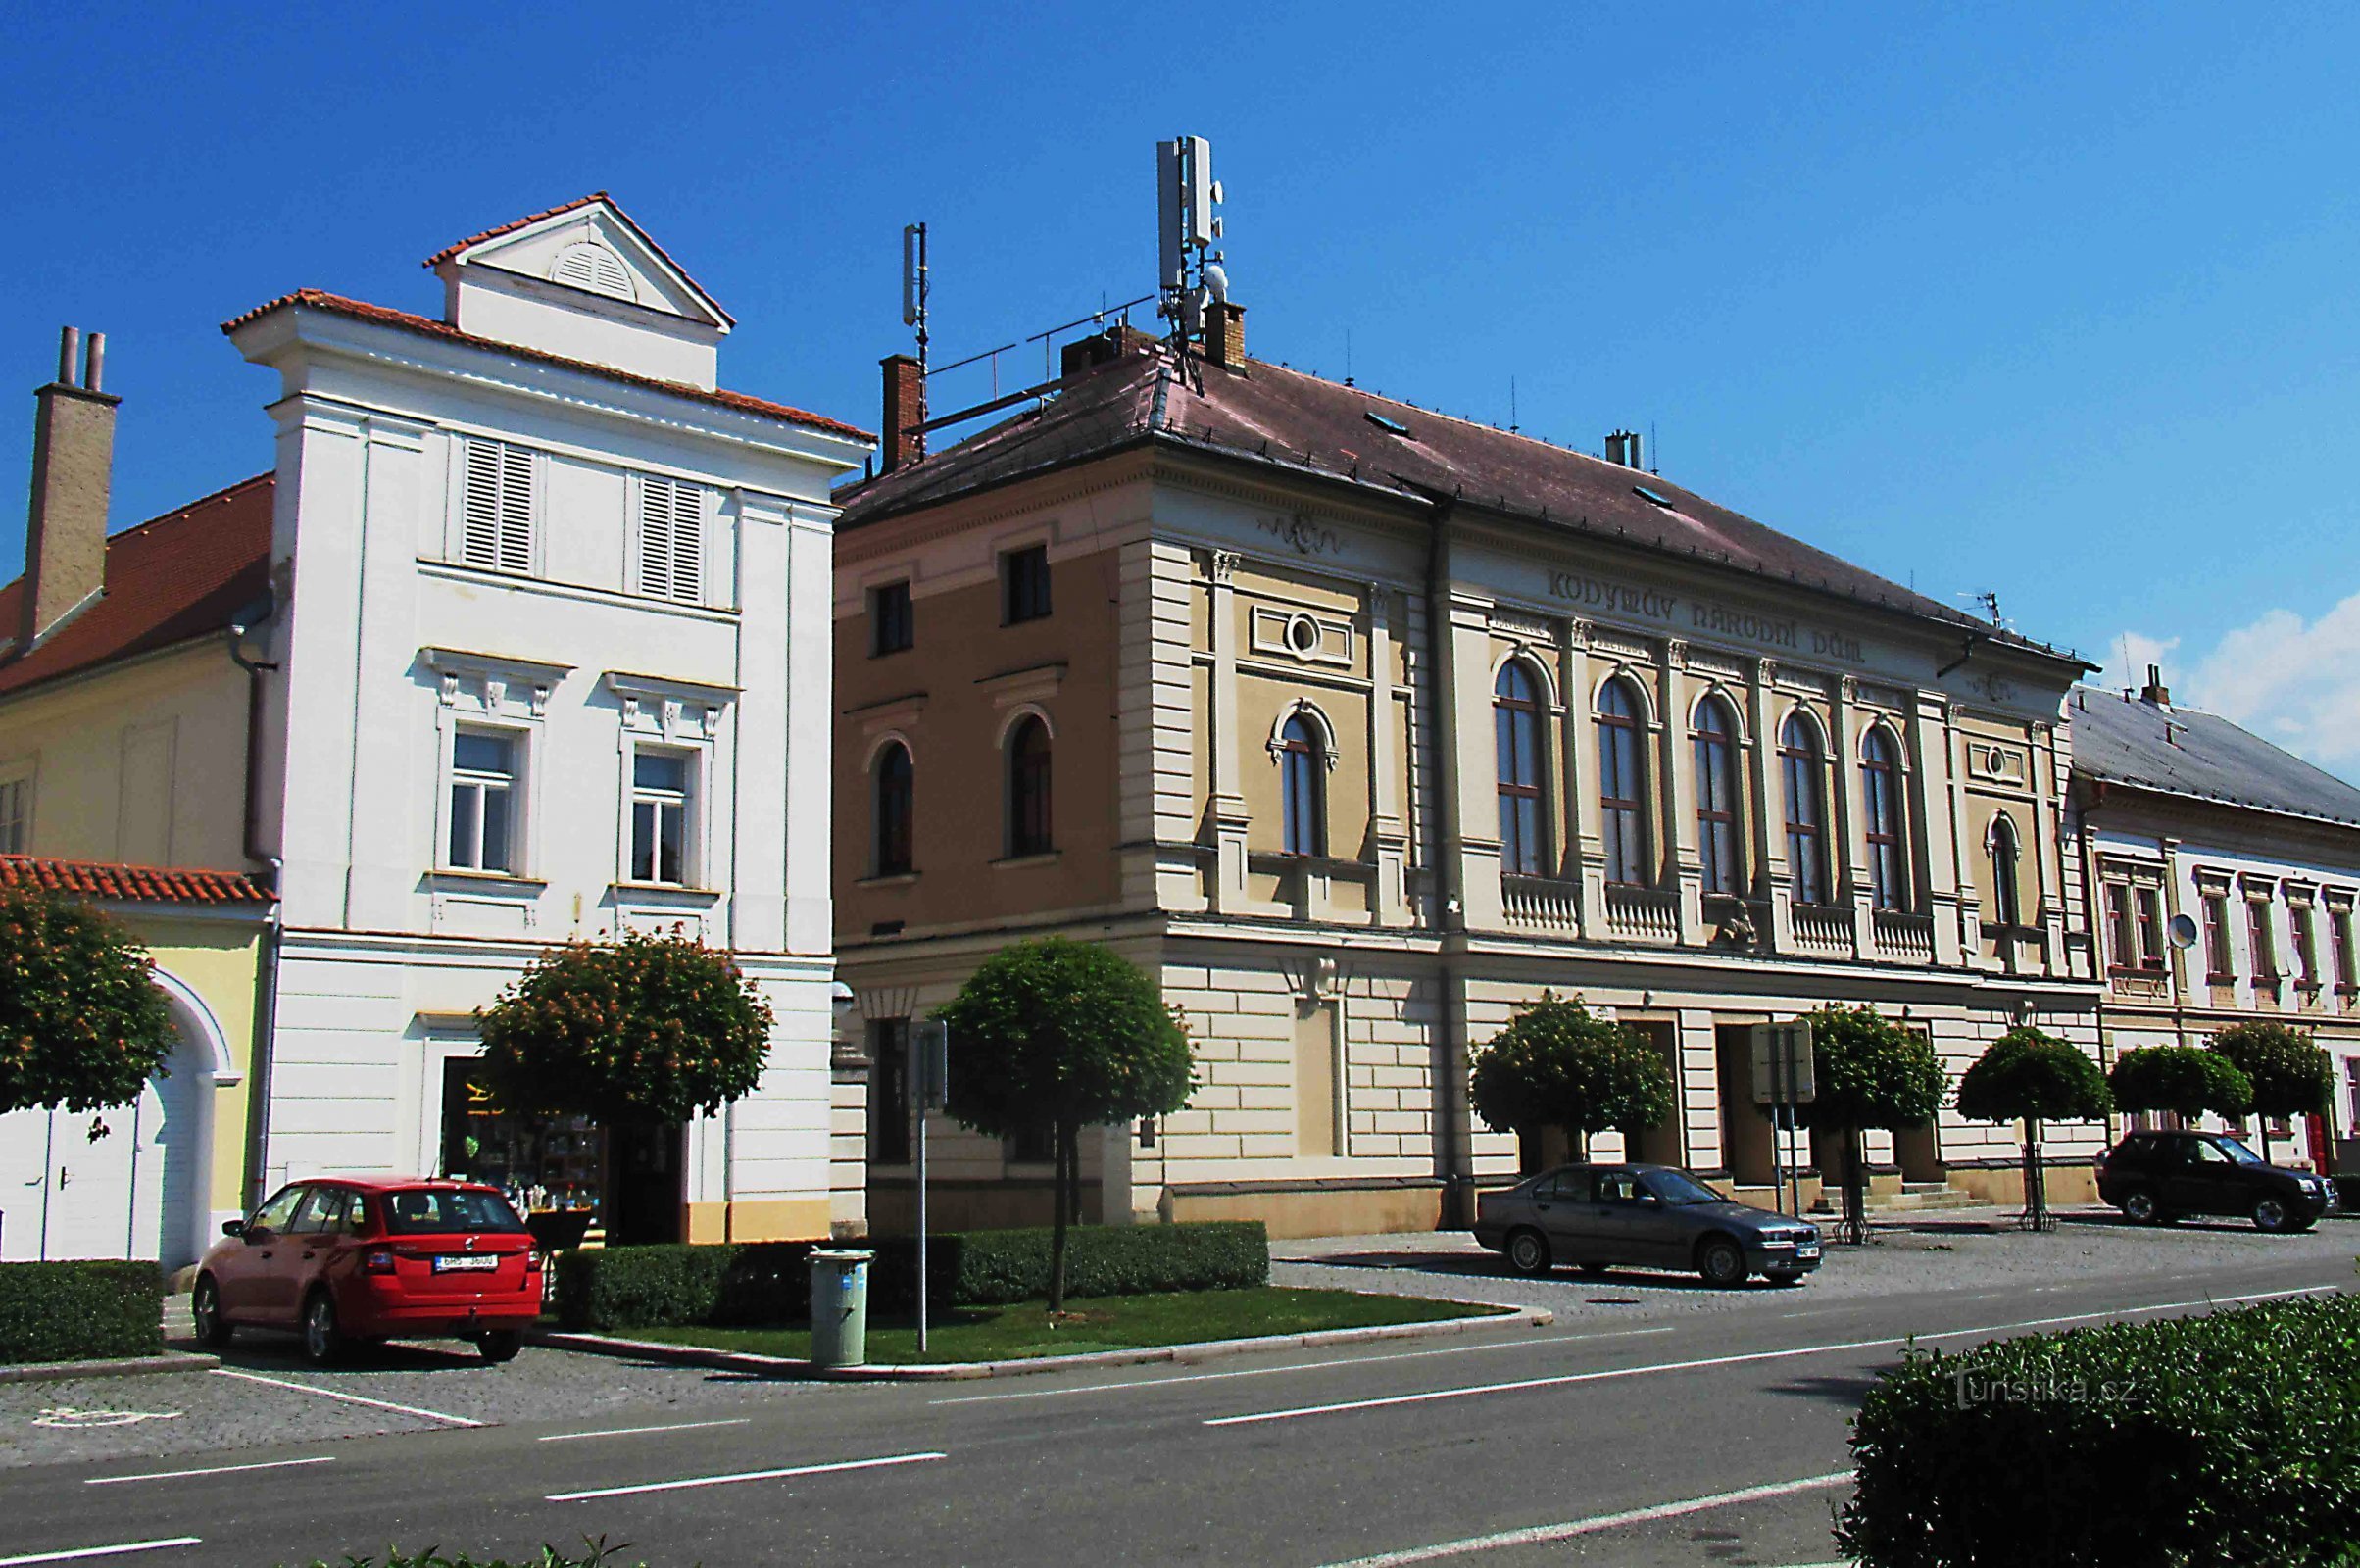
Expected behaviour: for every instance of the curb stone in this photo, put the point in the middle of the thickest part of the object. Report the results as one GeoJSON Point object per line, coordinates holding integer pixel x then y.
{"type": "Point", "coordinates": [120, 1366]}
{"type": "Point", "coordinates": [781, 1366]}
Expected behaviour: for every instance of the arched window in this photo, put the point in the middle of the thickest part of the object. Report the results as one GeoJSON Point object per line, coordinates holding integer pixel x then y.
{"type": "Point", "coordinates": [2007, 900]}
{"type": "Point", "coordinates": [896, 809]}
{"type": "Point", "coordinates": [1622, 784]}
{"type": "Point", "coordinates": [1517, 726]}
{"type": "Point", "coordinates": [1799, 766]}
{"type": "Point", "coordinates": [1881, 804]}
{"type": "Point", "coordinates": [1028, 788]}
{"type": "Point", "coordinates": [1717, 795]}
{"type": "Point", "coordinates": [1301, 781]}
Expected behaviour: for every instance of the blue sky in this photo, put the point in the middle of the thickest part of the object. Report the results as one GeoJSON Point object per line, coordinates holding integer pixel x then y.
{"type": "Point", "coordinates": [2058, 302]}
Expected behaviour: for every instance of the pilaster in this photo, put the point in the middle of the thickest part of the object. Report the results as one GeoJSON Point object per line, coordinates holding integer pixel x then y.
{"type": "Point", "coordinates": [1228, 806]}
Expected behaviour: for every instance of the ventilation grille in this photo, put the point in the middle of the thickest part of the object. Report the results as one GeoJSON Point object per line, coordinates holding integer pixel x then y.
{"type": "Point", "coordinates": [496, 530]}
{"type": "Point", "coordinates": [594, 268]}
{"type": "Point", "coordinates": [671, 539]}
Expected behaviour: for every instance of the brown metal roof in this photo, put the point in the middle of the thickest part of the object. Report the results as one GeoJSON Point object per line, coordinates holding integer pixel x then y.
{"type": "Point", "coordinates": [1281, 417]}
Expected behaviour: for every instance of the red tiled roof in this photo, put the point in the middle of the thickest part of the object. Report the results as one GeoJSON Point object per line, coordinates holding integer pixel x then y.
{"type": "Point", "coordinates": [134, 884]}
{"type": "Point", "coordinates": [170, 579]}
{"type": "Point", "coordinates": [631, 222]}
{"type": "Point", "coordinates": [359, 311]}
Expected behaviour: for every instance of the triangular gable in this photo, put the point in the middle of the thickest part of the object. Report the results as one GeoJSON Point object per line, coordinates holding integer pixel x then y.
{"type": "Point", "coordinates": [591, 244]}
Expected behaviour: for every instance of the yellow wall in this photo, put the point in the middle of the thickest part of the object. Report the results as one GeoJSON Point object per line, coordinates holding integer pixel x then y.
{"type": "Point", "coordinates": [217, 959]}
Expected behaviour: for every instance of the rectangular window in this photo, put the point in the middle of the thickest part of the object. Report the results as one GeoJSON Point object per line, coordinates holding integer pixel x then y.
{"type": "Point", "coordinates": [889, 1110]}
{"type": "Point", "coordinates": [484, 783]}
{"type": "Point", "coordinates": [2351, 1092]}
{"type": "Point", "coordinates": [2150, 928]}
{"type": "Point", "coordinates": [2216, 964]}
{"type": "Point", "coordinates": [15, 816]}
{"type": "Point", "coordinates": [2265, 950]}
{"type": "Point", "coordinates": [496, 507]}
{"type": "Point", "coordinates": [892, 626]}
{"type": "Point", "coordinates": [1024, 584]}
{"type": "Point", "coordinates": [2339, 942]}
{"type": "Point", "coordinates": [1035, 1146]}
{"type": "Point", "coordinates": [661, 786]}
{"type": "Point", "coordinates": [2122, 938]}
{"type": "Point", "coordinates": [671, 539]}
{"type": "Point", "coordinates": [2306, 944]}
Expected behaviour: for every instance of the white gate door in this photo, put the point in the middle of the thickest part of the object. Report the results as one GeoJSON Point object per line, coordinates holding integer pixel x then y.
{"type": "Point", "coordinates": [131, 1193]}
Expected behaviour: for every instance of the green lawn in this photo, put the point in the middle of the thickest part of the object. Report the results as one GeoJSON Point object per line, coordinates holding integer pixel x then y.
{"type": "Point", "coordinates": [1094, 1323]}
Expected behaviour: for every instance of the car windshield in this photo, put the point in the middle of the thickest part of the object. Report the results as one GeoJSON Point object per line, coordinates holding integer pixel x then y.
{"type": "Point", "coordinates": [2239, 1153]}
{"type": "Point", "coordinates": [1678, 1187]}
{"type": "Point", "coordinates": [444, 1209]}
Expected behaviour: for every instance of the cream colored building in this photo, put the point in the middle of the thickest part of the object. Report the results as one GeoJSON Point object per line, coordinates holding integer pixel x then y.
{"type": "Point", "coordinates": [1361, 726]}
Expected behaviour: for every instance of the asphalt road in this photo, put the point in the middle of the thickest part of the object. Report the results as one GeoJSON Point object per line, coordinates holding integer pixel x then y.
{"type": "Point", "coordinates": [1686, 1438]}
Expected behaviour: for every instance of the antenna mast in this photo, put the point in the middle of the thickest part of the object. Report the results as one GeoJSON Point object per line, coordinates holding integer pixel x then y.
{"type": "Point", "coordinates": [915, 286]}
{"type": "Point", "coordinates": [1189, 272]}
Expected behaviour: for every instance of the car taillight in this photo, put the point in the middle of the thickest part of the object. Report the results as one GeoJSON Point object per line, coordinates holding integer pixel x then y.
{"type": "Point", "coordinates": [532, 1262]}
{"type": "Point", "coordinates": [378, 1260]}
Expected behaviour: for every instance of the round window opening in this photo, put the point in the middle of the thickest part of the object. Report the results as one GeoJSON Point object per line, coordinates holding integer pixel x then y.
{"type": "Point", "coordinates": [1303, 634]}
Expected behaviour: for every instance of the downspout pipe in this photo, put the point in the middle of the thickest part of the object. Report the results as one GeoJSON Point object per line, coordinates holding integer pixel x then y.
{"type": "Point", "coordinates": [1454, 1151]}
{"type": "Point", "coordinates": [266, 979]}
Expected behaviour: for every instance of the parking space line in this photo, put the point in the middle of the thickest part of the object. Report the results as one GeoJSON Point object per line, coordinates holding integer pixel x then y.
{"type": "Point", "coordinates": [632, 1431]}
{"type": "Point", "coordinates": [745, 1475]}
{"type": "Point", "coordinates": [1539, 1535]}
{"type": "Point", "coordinates": [209, 1470]}
{"type": "Point", "coordinates": [83, 1553]}
{"type": "Point", "coordinates": [349, 1399]}
{"type": "Point", "coordinates": [1562, 1380]}
{"type": "Point", "coordinates": [1300, 1366]}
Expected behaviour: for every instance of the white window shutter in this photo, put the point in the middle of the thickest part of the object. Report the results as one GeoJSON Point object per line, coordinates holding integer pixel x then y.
{"type": "Point", "coordinates": [671, 539]}
{"type": "Point", "coordinates": [496, 507]}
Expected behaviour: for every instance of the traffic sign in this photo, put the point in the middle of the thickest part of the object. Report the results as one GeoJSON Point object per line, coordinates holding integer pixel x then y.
{"type": "Point", "coordinates": [1782, 1067]}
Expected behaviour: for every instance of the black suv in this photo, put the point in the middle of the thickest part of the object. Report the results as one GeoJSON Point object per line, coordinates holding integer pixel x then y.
{"type": "Point", "coordinates": [2154, 1178]}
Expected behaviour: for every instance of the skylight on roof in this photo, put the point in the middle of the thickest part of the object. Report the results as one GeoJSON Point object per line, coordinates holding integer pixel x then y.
{"type": "Point", "coordinates": [1389, 426]}
{"type": "Point", "coordinates": [1644, 494]}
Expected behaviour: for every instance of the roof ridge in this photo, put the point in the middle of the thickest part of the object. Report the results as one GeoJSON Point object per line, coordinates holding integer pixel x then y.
{"type": "Point", "coordinates": [515, 223]}
{"type": "Point", "coordinates": [269, 475]}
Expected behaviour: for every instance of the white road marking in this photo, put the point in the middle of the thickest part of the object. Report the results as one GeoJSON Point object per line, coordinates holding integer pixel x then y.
{"type": "Point", "coordinates": [632, 1431]}
{"type": "Point", "coordinates": [745, 1475]}
{"type": "Point", "coordinates": [1300, 1366]}
{"type": "Point", "coordinates": [100, 1552]}
{"type": "Point", "coordinates": [209, 1470]}
{"type": "Point", "coordinates": [1539, 1535]}
{"type": "Point", "coordinates": [349, 1399]}
{"type": "Point", "coordinates": [1564, 1379]}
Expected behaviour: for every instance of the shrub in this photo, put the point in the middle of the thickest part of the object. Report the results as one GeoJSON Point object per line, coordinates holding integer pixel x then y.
{"type": "Point", "coordinates": [81, 1311]}
{"type": "Point", "coordinates": [2185, 1080]}
{"type": "Point", "coordinates": [761, 1283]}
{"type": "Point", "coordinates": [2233, 1438]}
{"type": "Point", "coordinates": [82, 1025]}
{"type": "Point", "coordinates": [1556, 1065]}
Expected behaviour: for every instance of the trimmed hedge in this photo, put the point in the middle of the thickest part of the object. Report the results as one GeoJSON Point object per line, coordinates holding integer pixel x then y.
{"type": "Point", "coordinates": [2232, 1438]}
{"type": "Point", "coordinates": [81, 1311]}
{"type": "Point", "coordinates": [751, 1284]}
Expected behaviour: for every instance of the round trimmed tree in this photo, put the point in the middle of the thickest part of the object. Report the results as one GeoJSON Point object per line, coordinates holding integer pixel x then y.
{"type": "Point", "coordinates": [1557, 1064]}
{"type": "Point", "coordinates": [82, 1026]}
{"type": "Point", "coordinates": [638, 1034]}
{"type": "Point", "coordinates": [1868, 1072]}
{"type": "Point", "coordinates": [2288, 1074]}
{"type": "Point", "coordinates": [2186, 1081]}
{"type": "Point", "coordinates": [2033, 1077]}
{"type": "Point", "coordinates": [1050, 1035]}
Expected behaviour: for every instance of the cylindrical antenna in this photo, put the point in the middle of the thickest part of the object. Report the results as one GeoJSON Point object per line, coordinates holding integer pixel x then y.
{"type": "Point", "coordinates": [70, 354]}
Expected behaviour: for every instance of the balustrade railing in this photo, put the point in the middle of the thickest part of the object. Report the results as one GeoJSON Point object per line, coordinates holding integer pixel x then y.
{"type": "Point", "coordinates": [1540, 903]}
{"type": "Point", "coordinates": [1823, 929]}
{"type": "Point", "coordinates": [1646, 914]}
{"type": "Point", "coordinates": [1905, 936]}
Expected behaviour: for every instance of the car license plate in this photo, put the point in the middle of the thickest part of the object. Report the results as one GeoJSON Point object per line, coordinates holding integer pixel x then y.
{"type": "Point", "coordinates": [466, 1264]}
{"type": "Point", "coordinates": [1806, 1250]}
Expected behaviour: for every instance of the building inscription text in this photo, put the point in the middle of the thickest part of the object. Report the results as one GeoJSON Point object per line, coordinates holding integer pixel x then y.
{"type": "Point", "coordinates": [1701, 615]}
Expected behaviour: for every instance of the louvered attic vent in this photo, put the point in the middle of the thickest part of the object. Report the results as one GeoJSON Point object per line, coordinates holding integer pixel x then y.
{"type": "Point", "coordinates": [496, 521]}
{"type": "Point", "coordinates": [592, 267]}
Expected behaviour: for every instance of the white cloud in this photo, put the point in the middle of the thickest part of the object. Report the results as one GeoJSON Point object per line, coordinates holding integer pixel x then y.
{"type": "Point", "coordinates": [2294, 683]}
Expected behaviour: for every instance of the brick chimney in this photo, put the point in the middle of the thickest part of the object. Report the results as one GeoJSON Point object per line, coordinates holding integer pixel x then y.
{"type": "Point", "coordinates": [904, 411]}
{"type": "Point", "coordinates": [1225, 334]}
{"type": "Point", "coordinates": [72, 468]}
{"type": "Point", "coordinates": [2155, 693]}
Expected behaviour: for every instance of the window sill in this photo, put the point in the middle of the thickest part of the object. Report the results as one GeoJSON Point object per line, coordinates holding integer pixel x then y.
{"type": "Point", "coordinates": [1018, 862]}
{"type": "Point", "coordinates": [468, 876]}
{"type": "Point", "coordinates": [666, 890]}
{"type": "Point", "coordinates": [889, 879]}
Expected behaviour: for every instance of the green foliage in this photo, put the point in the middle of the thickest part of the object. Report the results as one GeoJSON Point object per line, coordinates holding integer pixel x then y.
{"type": "Point", "coordinates": [1558, 1065]}
{"type": "Point", "coordinates": [1869, 1071]}
{"type": "Point", "coordinates": [2288, 1075]}
{"type": "Point", "coordinates": [1054, 1033]}
{"type": "Point", "coordinates": [2029, 1075]}
{"type": "Point", "coordinates": [768, 1283]}
{"type": "Point", "coordinates": [650, 1029]}
{"type": "Point", "coordinates": [2185, 1080]}
{"type": "Point", "coordinates": [82, 1025]}
{"type": "Point", "coordinates": [2232, 1438]}
{"type": "Point", "coordinates": [81, 1311]}
{"type": "Point", "coordinates": [595, 1555]}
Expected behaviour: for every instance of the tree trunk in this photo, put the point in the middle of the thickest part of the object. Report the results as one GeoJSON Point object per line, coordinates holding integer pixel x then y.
{"type": "Point", "coordinates": [2036, 1179]}
{"type": "Point", "coordinates": [2262, 1122]}
{"type": "Point", "coordinates": [1063, 1142]}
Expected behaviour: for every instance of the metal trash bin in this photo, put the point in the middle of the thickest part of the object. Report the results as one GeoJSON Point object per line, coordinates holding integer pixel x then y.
{"type": "Point", "coordinates": [839, 1307]}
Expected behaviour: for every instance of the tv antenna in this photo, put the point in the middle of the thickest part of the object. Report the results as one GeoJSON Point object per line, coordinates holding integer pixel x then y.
{"type": "Point", "coordinates": [1986, 600]}
{"type": "Point", "coordinates": [915, 286]}
{"type": "Point", "coordinates": [1189, 272]}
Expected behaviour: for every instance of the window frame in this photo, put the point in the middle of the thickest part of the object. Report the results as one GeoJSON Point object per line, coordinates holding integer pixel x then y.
{"type": "Point", "coordinates": [2220, 956]}
{"type": "Point", "coordinates": [17, 792]}
{"type": "Point", "coordinates": [1720, 828]}
{"type": "Point", "coordinates": [1520, 747]}
{"type": "Point", "coordinates": [512, 790]}
{"type": "Point", "coordinates": [2302, 921]}
{"type": "Point", "coordinates": [1884, 821]}
{"type": "Point", "coordinates": [882, 628]}
{"type": "Point", "coordinates": [2261, 938]}
{"type": "Point", "coordinates": [1803, 779]}
{"type": "Point", "coordinates": [1302, 756]}
{"type": "Point", "coordinates": [688, 800]}
{"type": "Point", "coordinates": [531, 471]}
{"type": "Point", "coordinates": [1624, 819]}
{"type": "Point", "coordinates": [2339, 947]}
{"type": "Point", "coordinates": [1024, 596]}
{"type": "Point", "coordinates": [893, 822]}
{"type": "Point", "coordinates": [1028, 778]}
{"type": "Point", "coordinates": [2004, 848]}
{"type": "Point", "coordinates": [644, 489]}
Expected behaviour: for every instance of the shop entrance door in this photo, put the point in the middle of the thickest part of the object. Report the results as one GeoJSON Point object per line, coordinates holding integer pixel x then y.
{"type": "Point", "coordinates": [646, 1189]}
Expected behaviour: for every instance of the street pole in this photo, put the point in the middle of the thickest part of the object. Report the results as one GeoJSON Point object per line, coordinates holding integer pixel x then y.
{"type": "Point", "coordinates": [1778, 1118]}
{"type": "Point", "coordinates": [929, 1070]}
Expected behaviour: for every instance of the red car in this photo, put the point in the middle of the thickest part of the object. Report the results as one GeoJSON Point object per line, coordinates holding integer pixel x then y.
{"type": "Point", "coordinates": [354, 1259]}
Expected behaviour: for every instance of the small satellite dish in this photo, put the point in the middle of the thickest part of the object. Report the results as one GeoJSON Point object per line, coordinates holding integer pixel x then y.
{"type": "Point", "coordinates": [2183, 932]}
{"type": "Point", "coordinates": [1216, 282]}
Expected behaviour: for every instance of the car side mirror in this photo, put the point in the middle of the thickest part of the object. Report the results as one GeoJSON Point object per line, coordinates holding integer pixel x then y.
{"type": "Point", "coordinates": [254, 1235]}
{"type": "Point", "coordinates": [233, 1227]}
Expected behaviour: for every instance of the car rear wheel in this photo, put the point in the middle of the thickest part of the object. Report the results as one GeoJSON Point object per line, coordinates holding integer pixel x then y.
{"type": "Point", "coordinates": [205, 1308]}
{"type": "Point", "coordinates": [1528, 1253]}
{"type": "Point", "coordinates": [500, 1345]}
{"type": "Point", "coordinates": [2139, 1207]}
{"type": "Point", "coordinates": [2271, 1214]}
{"type": "Point", "coordinates": [1721, 1261]}
{"type": "Point", "coordinates": [323, 1341]}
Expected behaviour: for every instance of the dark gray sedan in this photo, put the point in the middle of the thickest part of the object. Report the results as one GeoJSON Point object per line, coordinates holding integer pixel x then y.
{"type": "Point", "coordinates": [1655, 1216]}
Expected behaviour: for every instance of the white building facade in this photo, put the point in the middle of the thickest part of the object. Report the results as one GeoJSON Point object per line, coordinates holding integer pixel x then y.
{"type": "Point", "coordinates": [548, 658]}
